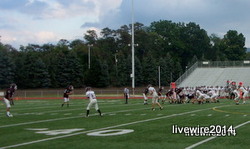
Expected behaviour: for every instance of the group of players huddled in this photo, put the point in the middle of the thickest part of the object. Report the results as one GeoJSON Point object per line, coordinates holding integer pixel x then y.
{"type": "Point", "coordinates": [200, 94]}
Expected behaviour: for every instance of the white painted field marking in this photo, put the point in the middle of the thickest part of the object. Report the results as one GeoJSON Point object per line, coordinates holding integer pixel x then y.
{"type": "Point", "coordinates": [112, 114]}
{"type": "Point", "coordinates": [57, 119]}
{"type": "Point", "coordinates": [68, 114]}
{"type": "Point", "coordinates": [99, 129]}
{"type": "Point", "coordinates": [62, 110]}
{"type": "Point", "coordinates": [64, 118]}
{"type": "Point", "coordinates": [58, 132]}
{"type": "Point", "coordinates": [112, 132]}
{"type": "Point", "coordinates": [127, 114]}
{"type": "Point", "coordinates": [192, 114]}
{"type": "Point", "coordinates": [209, 115]}
{"type": "Point", "coordinates": [211, 138]}
{"type": "Point", "coordinates": [37, 129]}
{"type": "Point", "coordinates": [227, 115]}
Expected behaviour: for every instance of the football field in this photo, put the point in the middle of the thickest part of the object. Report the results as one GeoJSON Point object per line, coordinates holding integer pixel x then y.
{"type": "Point", "coordinates": [45, 124]}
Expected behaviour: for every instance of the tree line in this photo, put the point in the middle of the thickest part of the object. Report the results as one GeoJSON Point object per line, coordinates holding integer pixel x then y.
{"type": "Point", "coordinates": [172, 46]}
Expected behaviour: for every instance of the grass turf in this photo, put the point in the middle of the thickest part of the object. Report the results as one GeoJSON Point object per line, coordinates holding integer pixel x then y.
{"type": "Point", "coordinates": [35, 120]}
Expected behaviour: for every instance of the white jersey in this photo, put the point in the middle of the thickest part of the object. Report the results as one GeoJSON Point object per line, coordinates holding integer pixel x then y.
{"type": "Point", "coordinates": [213, 94]}
{"type": "Point", "coordinates": [201, 95]}
{"type": "Point", "coordinates": [243, 89]}
{"type": "Point", "coordinates": [152, 91]}
{"type": "Point", "coordinates": [91, 95]}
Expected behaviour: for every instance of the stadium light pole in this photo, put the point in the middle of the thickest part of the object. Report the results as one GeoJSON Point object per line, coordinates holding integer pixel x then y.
{"type": "Point", "coordinates": [159, 71]}
{"type": "Point", "coordinates": [89, 45]}
{"type": "Point", "coordinates": [133, 49]}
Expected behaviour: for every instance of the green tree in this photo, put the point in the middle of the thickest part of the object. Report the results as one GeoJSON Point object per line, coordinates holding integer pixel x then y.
{"type": "Point", "coordinates": [150, 70]}
{"type": "Point", "coordinates": [6, 68]}
{"type": "Point", "coordinates": [91, 36]}
{"type": "Point", "coordinates": [40, 77]}
{"type": "Point", "coordinates": [233, 45]}
{"type": "Point", "coordinates": [68, 70]}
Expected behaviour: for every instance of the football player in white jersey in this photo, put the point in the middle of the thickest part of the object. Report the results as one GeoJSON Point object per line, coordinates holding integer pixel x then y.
{"type": "Point", "coordinates": [92, 101]}
{"type": "Point", "coordinates": [236, 96]}
{"type": "Point", "coordinates": [155, 97]}
{"type": "Point", "coordinates": [213, 95]}
{"type": "Point", "coordinates": [201, 97]}
{"type": "Point", "coordinates": [245, 93]}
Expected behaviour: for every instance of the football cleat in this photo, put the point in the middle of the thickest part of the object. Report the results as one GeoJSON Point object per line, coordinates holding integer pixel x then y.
{"type": "Point", "coordinates": [9, 115]}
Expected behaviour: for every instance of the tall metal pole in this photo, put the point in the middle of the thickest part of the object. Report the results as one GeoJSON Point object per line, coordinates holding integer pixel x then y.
{"type": "Point", "coordinates": [133, 50]}
{"type": "Point", "coordinates": [89, 45]}
{"type": "Point", "coordinates": [159, 71]}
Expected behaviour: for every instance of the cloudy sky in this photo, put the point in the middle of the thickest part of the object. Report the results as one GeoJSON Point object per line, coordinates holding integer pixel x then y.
{"type": "Point", "coordinates": [48, 21]}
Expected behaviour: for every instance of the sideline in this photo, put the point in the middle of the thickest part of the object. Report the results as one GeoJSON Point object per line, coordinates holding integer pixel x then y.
{"type": "Point", "coordinates": [211, 138]}
{"type": "Point", "coordinates": [110, 127]}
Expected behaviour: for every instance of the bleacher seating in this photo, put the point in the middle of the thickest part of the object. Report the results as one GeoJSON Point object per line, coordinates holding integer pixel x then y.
{"type": "Point", "coordinates": [217, 76]}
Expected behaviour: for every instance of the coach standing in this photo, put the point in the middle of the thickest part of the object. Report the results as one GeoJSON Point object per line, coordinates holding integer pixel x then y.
{"type": "Point", "coordinates": [126, 95]}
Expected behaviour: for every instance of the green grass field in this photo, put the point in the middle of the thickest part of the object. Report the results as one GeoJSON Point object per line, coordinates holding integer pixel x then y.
{"type": "Point", "coordinates": [45, 124]}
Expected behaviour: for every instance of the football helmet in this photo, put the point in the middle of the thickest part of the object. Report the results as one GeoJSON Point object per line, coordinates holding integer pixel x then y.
{"type": "Point", "coordinates": [71, 87]}
{"type": "Point", "coordinates": [13, 86]}
{"type": "Point", "coordinates": [87, 89]}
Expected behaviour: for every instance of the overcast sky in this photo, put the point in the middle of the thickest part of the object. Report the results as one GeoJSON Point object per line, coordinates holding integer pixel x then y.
{"type": "Point", "coordinates": [48, 21]}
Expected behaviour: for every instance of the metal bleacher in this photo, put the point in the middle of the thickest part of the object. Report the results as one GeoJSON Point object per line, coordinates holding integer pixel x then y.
{"type": "Point", "coordinates": [215, 74]}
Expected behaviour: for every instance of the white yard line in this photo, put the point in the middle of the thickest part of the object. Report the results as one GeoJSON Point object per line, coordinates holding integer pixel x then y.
{"type": "Point", "coordinates": [110, 127]}
{"type": "Point", "coordinates": [43, 106]}
{"type": "Point", "coordinates": [65, 118]}
{"type": "Point", "coordinates": [211, 138]}
{"type": "Point", "coordinates": [63, 109]}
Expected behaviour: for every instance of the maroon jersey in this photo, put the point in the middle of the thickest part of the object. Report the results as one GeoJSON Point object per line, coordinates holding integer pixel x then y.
{"type": "Point", "coordinates": [9, 93]}
{"type": "Point", "coordinates": [146, 91]}
{"type": "Point", "coordinates": [159, 92]}
{"type": "Point", "coordinates": [66, 93]}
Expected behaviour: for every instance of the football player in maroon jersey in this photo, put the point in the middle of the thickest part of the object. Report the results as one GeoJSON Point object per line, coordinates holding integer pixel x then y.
{"type": "Point", "coordinates": [68, 91]}
{"type": "Point", "coordinates": [8, 98]}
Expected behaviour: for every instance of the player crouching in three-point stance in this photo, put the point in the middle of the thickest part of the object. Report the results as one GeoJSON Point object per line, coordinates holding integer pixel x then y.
{"type": "Point", "coordinates": [155, 97]}
{"type": "Point", "coordinates": [8, 98]}
{"type": "Point", "coordinates": [92, 101]}
{"type": "Point", "coordinates": [68, 91]}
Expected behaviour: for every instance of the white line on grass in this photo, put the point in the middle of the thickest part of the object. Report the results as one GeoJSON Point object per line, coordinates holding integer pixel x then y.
{"type": "Point", "coordinates": [64, 118]}
{"type": "Point", "coordinates": [63, 110]}
{"type": "Point", "coordinates": [213, 137]}
{"type": "Point", "coordinates": [99, 129]}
